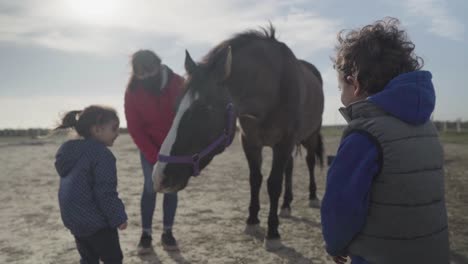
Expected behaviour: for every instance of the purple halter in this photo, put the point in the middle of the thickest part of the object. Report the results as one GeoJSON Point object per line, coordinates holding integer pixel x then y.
{"type": "Point", "coordinates": [225, 138]}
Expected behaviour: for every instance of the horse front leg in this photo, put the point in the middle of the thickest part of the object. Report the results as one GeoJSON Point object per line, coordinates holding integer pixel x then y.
{"type": "Point", "coordinates": [253, 153]}
{"type": "Point", "coordinates": [285, 210]}
{"type": "Point", "coordinates": [281, 155]}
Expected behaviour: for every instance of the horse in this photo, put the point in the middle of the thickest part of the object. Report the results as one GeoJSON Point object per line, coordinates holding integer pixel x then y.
{"type": "Point", "coordinates": [278, 101]}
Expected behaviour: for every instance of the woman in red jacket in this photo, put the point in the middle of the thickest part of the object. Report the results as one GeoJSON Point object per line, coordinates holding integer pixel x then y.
{"type": "Point", "coordinates": [150, 100]}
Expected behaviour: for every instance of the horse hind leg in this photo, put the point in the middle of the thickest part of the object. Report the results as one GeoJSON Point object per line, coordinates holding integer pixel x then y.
{"type": "Point", "coordinates": [285, 210]}
{"type": "Point", "coordinates": [314, 146]}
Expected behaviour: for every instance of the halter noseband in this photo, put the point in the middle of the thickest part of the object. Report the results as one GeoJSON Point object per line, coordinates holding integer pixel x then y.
{"type": "Point", "coordinates": [194, 159]}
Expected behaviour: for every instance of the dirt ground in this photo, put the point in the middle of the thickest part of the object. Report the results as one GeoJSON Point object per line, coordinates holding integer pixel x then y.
{"type": "Point", "coordinates": [211, 214]}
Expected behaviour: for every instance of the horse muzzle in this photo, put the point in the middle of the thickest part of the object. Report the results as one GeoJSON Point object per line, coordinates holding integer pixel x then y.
{"type": "Point", "coordinates": [164, 183]}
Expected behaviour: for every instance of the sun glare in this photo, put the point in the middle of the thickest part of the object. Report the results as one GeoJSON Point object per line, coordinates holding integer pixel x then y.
{"type": "Point", "coordinates": [95, 11]}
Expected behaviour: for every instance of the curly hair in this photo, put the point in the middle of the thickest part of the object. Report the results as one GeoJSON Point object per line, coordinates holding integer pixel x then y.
{"type": "Point", "coordinates": [375, 54]}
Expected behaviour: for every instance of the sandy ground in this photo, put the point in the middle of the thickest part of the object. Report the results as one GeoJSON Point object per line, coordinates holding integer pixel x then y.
{"type": "Point", "coordinates": [210, 218]}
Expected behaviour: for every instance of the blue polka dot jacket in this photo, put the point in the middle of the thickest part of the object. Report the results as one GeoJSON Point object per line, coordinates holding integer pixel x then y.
{"type": "Point", "coordinates": [88, 197]}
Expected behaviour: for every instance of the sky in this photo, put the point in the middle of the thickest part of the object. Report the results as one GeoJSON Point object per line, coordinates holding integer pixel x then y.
{"type": "Point", "coordinates": [61, 55]}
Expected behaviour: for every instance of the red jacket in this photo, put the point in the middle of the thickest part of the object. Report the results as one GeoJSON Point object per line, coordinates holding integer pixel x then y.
{"type": "Point", "coordinates": [149, 117]}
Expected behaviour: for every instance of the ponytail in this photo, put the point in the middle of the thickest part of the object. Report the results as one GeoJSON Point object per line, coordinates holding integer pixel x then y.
{"type": "Point", "coordinates": [70, 119]}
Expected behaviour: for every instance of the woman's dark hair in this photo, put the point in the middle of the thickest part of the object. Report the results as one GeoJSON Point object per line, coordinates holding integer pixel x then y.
{"type": "Point", "coordinates": [146, 67]}
{"type": "Point", "coordinates": [83, 120]}
{"type": "Point", "coordinates": [375, 54]}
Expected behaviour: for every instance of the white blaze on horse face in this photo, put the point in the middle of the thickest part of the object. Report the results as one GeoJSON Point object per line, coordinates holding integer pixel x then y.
{"type": "Point", "coordinates": [168, 143]}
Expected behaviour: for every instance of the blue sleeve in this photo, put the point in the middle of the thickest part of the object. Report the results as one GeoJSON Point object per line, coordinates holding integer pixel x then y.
{"type": "Point", "coordinates": [346, 199]}
{"type": "Point", "coordinates": [105, 190]}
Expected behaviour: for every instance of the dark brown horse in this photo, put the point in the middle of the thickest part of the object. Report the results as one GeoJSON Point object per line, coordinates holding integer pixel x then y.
{"type": "Point", "coordinates": [278, 101]}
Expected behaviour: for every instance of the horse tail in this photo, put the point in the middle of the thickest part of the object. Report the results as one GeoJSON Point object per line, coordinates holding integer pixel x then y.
{"type": "Point", "coordinates": [298, 150]}
{"type": "Point", "coordinates": [313, 69]}
{"type": "Point", "coordinates": [319, 150]}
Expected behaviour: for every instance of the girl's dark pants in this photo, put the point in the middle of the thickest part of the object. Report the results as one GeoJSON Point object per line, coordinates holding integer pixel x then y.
{"type": "Point", "coordinates": [103, 245]}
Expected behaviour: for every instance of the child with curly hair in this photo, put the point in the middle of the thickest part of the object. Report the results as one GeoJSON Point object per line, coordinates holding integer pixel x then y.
{"type": "Point", "coordinates": [384, 199]}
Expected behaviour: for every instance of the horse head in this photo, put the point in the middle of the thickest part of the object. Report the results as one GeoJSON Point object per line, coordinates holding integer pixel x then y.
{"type": "Point", "coordinates": [203, 125]}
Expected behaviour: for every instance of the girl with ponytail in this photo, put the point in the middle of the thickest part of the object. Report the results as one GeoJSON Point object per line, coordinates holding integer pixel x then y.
{"type": "Point", "coordinates": [89, 203]}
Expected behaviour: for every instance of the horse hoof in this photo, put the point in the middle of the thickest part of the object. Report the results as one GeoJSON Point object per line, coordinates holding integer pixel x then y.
{"type": "Point", "coordinates": [314, 203]}
{"type": "Point", "coordinates": [272, 244]}
{"type": "Point", "coordinates": [252, 230]}
{"type": "Point", "coordinates": [285, 212]}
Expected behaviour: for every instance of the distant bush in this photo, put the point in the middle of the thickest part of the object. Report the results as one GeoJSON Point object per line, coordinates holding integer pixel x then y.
{"type": "Point", "coordinates": [450, 126]}
{"type": "Point", "coordinates": [38, 132]}
{"type": "Point", "coordinates": [31, 132]}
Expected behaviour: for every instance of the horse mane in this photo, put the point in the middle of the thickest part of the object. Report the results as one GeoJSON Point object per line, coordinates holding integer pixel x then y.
{"type": "Point", "coordinates": [239, 40]}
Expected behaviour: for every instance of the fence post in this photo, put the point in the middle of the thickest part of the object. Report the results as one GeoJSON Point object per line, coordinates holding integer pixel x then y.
{"type": "Point", "coordinates": [459, 130]}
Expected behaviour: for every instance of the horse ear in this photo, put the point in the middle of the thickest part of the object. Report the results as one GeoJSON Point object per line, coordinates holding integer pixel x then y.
{"type": "Point", "coordinates": [224, 65]}
{"type": "Point", "coordinates": [190, 65]}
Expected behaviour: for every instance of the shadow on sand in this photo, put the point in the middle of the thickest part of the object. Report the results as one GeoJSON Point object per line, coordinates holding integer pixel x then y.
{"type": "Point", "coordinates": [458, 258]}
{"type": "Point", "coordinates": [305, 221]}
{"type": "Point", "coordinates": [286, 253]}
{"type": "Point", "coordinates": [152, 258]}
{"type": "Point", "coordinates": [177, 257]}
